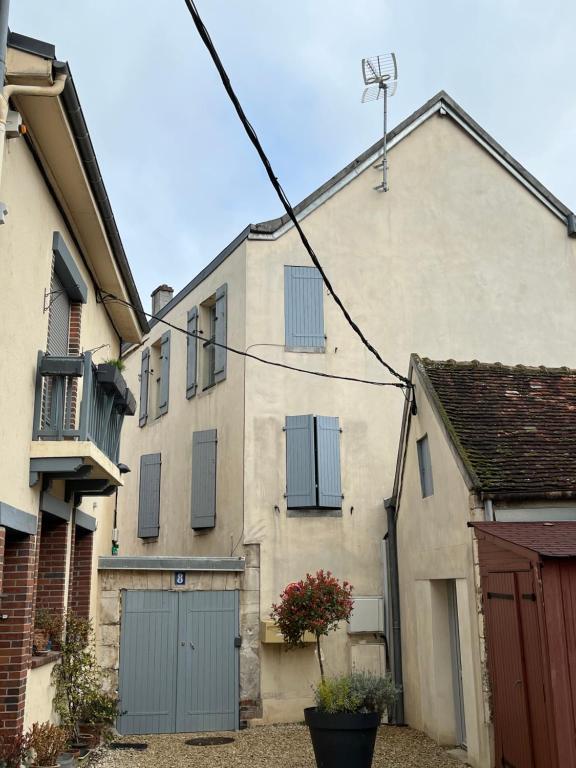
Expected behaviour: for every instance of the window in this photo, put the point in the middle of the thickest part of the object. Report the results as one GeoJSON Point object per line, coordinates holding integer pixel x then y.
{"type": "Point", "coordinates": [203, 513]}
{"type": "Point", "coordinates": [149, 498]}
{"type": "Point", "coordinates": [313, 462]}
{"type": "Point", "coordinates": [425, 466]}
{"type": "Point", "coordinates": [303, 309]}
{"type": "Point", "coordinates": [191, 353]}
{"type": "Point", "coordinates": [213, 317]}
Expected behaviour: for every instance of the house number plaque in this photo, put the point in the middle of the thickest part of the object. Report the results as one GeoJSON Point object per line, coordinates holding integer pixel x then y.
{"type": "Point", "coordinates": [179, 578]}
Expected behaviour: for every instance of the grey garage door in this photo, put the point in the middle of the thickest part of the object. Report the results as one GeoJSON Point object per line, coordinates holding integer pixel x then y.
{"type": "Point", "coordinates": [178, 662]}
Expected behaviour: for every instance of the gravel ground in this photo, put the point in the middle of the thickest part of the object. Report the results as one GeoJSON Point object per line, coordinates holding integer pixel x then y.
{"type": "Point", "coordinates": [274, 746]}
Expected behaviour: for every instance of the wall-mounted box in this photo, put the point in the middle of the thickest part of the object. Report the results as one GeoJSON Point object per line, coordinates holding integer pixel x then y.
{"type": "Point", "coordinates": [269, 633]}
{"type": "Point", "coordinates": [367, 615]}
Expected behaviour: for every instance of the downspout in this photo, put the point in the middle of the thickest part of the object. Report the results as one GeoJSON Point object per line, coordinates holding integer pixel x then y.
{"type": "Point", "coordinates": [8, 91]}
{"type": "Point", "coordinates": [397, 677]}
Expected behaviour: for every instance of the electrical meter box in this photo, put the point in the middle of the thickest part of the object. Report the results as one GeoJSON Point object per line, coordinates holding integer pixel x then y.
{"type": "Point", "coordinates": [367, 615]}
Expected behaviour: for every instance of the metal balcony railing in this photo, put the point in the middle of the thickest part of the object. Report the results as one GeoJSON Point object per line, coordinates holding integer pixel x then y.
{"type": "Point", "coordinates": [71, 403]}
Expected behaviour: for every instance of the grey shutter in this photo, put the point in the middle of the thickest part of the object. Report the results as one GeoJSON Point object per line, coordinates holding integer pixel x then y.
{"type": "Point", "coordinates": [164, 373]}
{"type": "Point", "coordinates": [425, 466]}
{"type": "Point", "coordinates": [303, 308]}
{"type": "Point", "coordinates": [300, 462]}
{"type": "Point", "coordinates": [144, 380]}
{"type": "Point", "coordinates": [149, 501]}
{"type": "Point", "coordinates": [328, 460]}
{"type": "Point", "coordinates": [204, 479]}
{"type": "Point", "coordinates": [221, 334]}
{"type": "Point", "coordinates": [192, 353]}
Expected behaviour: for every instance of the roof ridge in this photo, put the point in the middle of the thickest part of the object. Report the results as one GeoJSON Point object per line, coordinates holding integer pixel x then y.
{"type": "Point", "coordinates": [496, 366]}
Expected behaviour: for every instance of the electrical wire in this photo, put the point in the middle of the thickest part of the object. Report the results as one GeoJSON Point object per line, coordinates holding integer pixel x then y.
{"type": "Point", "coordinates": [110, 298]}
{"type": "Point", "coordinates": [205, 36]}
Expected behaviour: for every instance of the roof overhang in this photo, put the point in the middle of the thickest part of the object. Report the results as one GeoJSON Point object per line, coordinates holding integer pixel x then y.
{"type": "Point", "coordinates": [61, 143]}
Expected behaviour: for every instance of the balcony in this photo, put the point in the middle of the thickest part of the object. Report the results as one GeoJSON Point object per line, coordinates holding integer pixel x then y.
{"type": "Point", "coordinates": [79, 410]}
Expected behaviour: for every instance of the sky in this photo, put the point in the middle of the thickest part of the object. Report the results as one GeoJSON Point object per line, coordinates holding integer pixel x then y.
{"type": "Point", "coordinates": [180, 173]}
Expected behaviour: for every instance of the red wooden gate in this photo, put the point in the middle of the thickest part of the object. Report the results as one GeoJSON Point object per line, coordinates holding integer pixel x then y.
{"type": "Point", "coordinates": [516, 671]}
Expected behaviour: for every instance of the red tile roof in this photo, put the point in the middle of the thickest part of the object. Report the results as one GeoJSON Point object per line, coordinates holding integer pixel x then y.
{"type": "Point", "coordinates": [548, 539]}
{"type": "Point", "coordinates": [514, 426]}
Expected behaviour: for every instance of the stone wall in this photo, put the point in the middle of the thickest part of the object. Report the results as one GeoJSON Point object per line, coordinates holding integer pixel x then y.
{"type": "Point", "coordinates": [112, 582]}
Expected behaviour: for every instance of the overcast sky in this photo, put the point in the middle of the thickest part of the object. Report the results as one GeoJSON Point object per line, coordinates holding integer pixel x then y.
{"type": "Point", "coordinates": [181, 175]}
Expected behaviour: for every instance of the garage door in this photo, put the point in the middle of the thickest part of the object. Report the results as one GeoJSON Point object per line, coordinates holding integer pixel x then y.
{"type": "Point", "coordinates": [179, 665]}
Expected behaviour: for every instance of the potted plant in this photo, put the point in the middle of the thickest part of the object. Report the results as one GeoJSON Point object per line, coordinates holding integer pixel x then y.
{"type": "Point", "coordinates": [13, 750]}
{"type": "Point", "coordinates": [109, 375]}
{"type": "Point", "coordinates": [47, 631]}
{"type": "Point", "coordinates": [46, 742]}
{"type": "Point", "coordinates": [77, 678]}
{"type": "Point", "coordinates": [344, 722]}
{"type": "Point", "coordinates": [98, 716]}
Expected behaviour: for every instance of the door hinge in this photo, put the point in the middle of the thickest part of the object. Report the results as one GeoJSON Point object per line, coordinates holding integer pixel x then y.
{"type": "Point", "coordinates": [237, 642]}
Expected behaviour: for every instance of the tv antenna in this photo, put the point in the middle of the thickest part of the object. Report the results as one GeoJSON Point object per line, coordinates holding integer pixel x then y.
{"type": "Point", "coordinates": [381, 79]}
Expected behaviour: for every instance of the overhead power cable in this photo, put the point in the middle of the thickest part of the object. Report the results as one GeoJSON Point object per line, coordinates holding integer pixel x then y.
{"type": "Point", "coordinates": [205, 36]}
{"type": "Point", "coordinates": [110, 298]}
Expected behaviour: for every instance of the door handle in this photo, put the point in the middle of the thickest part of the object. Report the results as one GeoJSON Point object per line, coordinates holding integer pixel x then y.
{"type": "Point", "coordinates": [192, 646]}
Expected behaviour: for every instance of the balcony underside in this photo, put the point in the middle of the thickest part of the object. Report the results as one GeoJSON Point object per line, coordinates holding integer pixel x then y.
{"type": "Point", "coordinates": [86, 469]}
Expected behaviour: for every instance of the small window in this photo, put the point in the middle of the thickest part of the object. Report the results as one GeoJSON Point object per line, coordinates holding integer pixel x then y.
{"type": "Point", "coordinates": [210, 349]}
{"type": "Point", "coordinates": [313, 462]}
{"type": "Point", "coordinates": [425, 466]}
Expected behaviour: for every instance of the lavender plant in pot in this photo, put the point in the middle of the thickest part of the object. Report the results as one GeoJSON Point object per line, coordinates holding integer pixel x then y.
{"type": "Point", "coordinates": [344, 723]}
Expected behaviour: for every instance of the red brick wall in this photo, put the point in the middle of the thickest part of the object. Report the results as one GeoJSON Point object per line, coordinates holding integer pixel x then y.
{"type": "Point", "coordinates": [16, 629]}
{"type": "Point", "coordinates": [81, 573]}
{"type": "Point", "coordinates": [52, 564]}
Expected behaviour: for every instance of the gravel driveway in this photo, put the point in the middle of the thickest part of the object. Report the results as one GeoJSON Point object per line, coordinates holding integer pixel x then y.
{"type": "Point", "coordinates": [273, 746]}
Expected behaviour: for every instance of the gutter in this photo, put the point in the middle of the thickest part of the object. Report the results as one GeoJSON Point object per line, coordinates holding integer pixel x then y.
{"type": "Point", "coordinates": [397, 675]}
{"type": "Point", "coordinates": [4, 11]}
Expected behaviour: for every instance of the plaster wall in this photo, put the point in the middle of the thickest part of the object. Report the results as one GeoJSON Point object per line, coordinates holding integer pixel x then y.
{"type": "Point", "coordinates": [451, 262]}
{"type": "Point", "coordinates": [39, 695]}
{"type": "Point", "coordinates": [25, 273]}
{"type": "Point", "coordinates": [434, 546]}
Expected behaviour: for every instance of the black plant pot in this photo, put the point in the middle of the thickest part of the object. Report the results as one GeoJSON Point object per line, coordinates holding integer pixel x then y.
{"type": "Point", "coordinates": [111, 380]}
{"type": "Point", "coordinates": [342, 740]}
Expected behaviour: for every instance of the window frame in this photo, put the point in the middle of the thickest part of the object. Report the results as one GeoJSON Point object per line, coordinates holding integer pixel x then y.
{"type": "Point", "coordinates": [425, 466]}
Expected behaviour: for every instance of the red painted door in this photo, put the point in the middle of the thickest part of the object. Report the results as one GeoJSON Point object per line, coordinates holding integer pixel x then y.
{"type": "Point", "coordinates": [507, 672]}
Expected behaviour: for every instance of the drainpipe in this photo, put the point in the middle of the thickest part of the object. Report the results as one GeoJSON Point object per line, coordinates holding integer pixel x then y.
{"type": "Point", "coordinates": [8, 91]}
{"type": "Point", "coordinates": [488, 510]}
{"type": "Point", "coordinates": [390, 505]}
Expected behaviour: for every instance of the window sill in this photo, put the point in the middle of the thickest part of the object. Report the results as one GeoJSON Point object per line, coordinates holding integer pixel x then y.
{"type": "Point", "coordinates": [314, 512]}
{"type": "Point", "coordinates": [45, 658]}
{"type": "Point", "coordinates": [313, 350]}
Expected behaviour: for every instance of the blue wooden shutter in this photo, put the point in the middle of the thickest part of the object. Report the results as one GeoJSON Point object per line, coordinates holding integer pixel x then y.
{"type": "Point", "coordinates": [425, 466]}
{"type": "Point", "coordinates": [164, 373]}
{"type": "Point", "coordinates": [221, 333]}
{"type": "Point", "coordinates": [149, 500]}
{"type": "Point", "coordinates": [192, 353]}
{"type": "Point", "coordinates": [303, 308]}
{"type": "Point", "coordinates": [204, 479]}
{"type": "Point", "coordinates": [144, 378]}
{"type": "Point", "coordinates": [328, 460]}
{"type": "Point", "coordinates": [300, 462]}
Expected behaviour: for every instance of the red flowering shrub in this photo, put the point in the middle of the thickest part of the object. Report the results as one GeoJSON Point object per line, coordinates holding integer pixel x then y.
{"type": "Point", "coordinates": [316, 604]}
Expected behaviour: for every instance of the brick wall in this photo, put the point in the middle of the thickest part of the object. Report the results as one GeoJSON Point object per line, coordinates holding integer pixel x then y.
{"type": "Point", "coordinates": [16, 629]}
{"type": "Point", "coordinates": [52, 564]}
{"type": "Point", "coordinates": [81, 573]}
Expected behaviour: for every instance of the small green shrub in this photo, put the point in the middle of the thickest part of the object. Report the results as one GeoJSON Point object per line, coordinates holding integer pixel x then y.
{"type": "Point", "coordinates": [358, 692]}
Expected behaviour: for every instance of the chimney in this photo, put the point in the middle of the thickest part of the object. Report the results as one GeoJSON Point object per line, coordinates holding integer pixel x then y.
{"type": "Point", "coordinates": [160, 297]}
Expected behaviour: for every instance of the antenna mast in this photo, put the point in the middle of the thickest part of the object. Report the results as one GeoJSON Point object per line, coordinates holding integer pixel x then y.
{"type": "Point", "coordinates": [380, 75]}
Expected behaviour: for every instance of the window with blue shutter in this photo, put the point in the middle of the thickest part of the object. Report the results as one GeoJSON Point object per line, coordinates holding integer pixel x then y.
{"type": "Point", "coordinates": [149, 498]}
{"type": "Point", "coordinates": [203, 512]}
{"type": "Point", "coordinates": [192, 353]}
{"type": "Point", "coordinates": [313, 478]}
{"type": "Point", "coordinates": [303, 309]}
{"type": "Point", "coordinates": [425, 466]}
{"type": "Point", "coordinates": [144, 379]}
{"type": "Point", "coordinates": [164, 373]}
